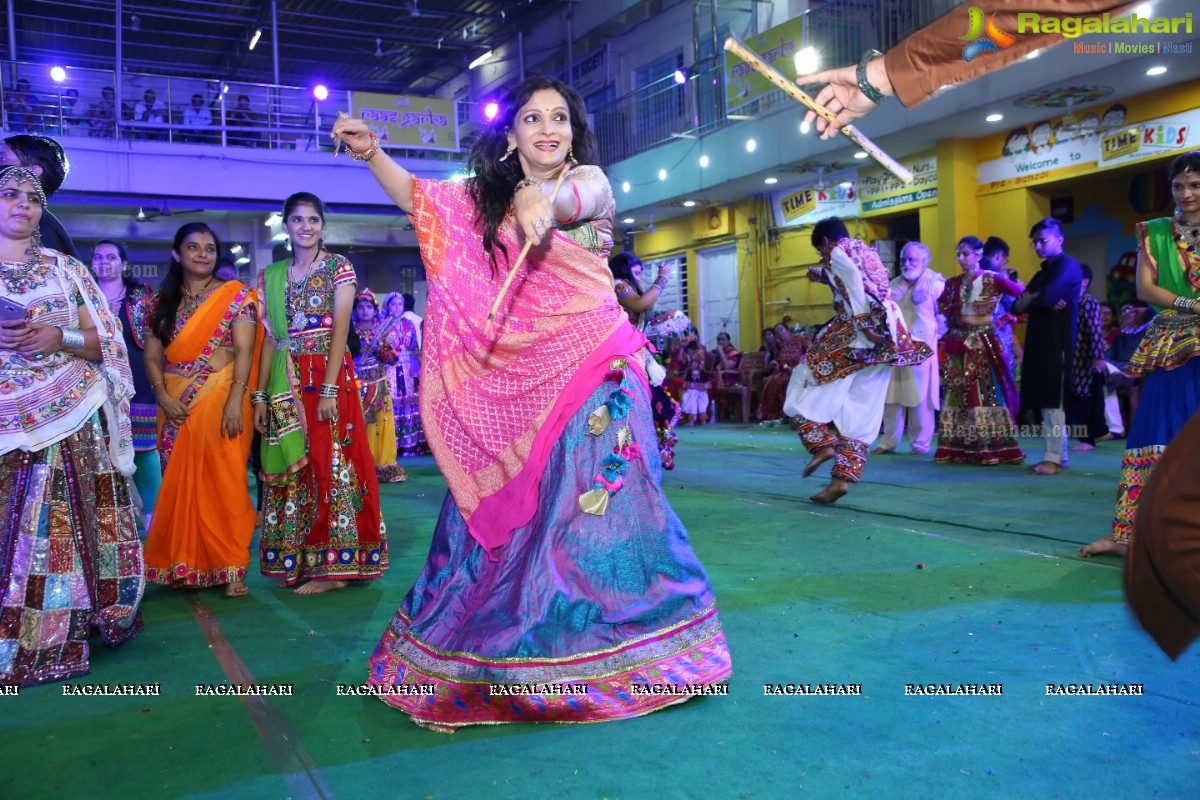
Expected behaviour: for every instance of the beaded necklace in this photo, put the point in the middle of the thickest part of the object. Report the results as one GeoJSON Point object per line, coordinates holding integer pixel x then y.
{"type": "Point", "coordinates": [295, 295]}
{"type": "Point", "coordinates": [1187, 233]}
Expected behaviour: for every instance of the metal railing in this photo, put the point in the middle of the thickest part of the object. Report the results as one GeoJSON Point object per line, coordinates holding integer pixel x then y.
{"type": "Point", "coordinates": [171, 109]}
{"type": "Point", "coordinates": [666, 109]}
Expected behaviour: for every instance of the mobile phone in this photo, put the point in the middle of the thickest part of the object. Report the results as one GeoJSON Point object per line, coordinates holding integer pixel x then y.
{"type": "Point", "coordinates": [11, 310]}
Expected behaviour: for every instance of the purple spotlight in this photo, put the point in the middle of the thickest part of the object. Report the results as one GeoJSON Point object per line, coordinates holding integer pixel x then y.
{"type": "Point", "coordinates": [58, 74]}
{"type": "Point", "coordinates": [680, 76]}
{"type": "Point", "coordinates": [491, 109]}
{"type": "Point", "coordinates": [320, 92]}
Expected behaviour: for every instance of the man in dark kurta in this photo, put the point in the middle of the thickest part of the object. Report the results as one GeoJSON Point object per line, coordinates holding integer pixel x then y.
{"type": "Point", "coordinates": [1052, 303]}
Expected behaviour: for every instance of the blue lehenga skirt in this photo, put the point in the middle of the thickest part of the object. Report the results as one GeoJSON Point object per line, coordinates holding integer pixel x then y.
{"type": "Point", "coordinates": [581, 618]}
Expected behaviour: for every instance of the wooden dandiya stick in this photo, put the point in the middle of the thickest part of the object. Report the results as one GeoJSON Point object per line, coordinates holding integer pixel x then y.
{"type": "Point", "coordinates": [512, 273]}
{"type": "Point", "coordinates": [738, 48]}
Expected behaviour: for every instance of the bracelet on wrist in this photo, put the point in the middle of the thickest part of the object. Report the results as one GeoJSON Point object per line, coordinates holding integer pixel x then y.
{"type": "Point", "coordinates": [242, 384]}
{"type": "Point", "coordinates": [156, 383]}
{"type": "Point", "coordinates": [873, 94]}
{"type": "Point", "coordinates": [369, 153]}
{"type": "Point", "coordinates": [328, 390]}
{"type": "Point", "coordinates": [259, 398]}
{"type": "Point", "coordinates": [72, 338]}
{"type": "Point", "coordinates": [521, 184]}
{"type": "Point", "coordinates": [1185, 304]}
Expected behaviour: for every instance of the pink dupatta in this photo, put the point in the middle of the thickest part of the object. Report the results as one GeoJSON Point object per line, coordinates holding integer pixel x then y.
{"type": "Point", "coordinates": [494, 405]}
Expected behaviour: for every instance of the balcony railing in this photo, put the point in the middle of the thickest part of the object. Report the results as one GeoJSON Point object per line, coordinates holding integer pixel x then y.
{"type": "Point", "coordinates": [158, 108]}
{"type": "Point", "coordinates": [666, 109]}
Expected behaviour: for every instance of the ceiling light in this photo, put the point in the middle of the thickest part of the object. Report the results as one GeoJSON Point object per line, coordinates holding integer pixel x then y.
{"type": "Point", "coordinates": [807, 61]}
{"type": "Point", "coordinates": [279, 237]}
{"type": "Point", "coordinates": [680, 76]}
{"type": "Point", "coordinates": [320, 92]}
{"type": "Point", "coordinates": [141, 215]}
{"type": "Point", "coordinates": [628, 220]}
{"type": "Point", "coordinates": [770, 181]}
{"type": "Point", "coordinates": [662, 174]}
{"type": "Point", "coordinates": [271, 220]}
{"type": "Point", "coordinates": [483, 59]}
{"type": "Point", "coordinates": [805, 127]}
{"type": "Point", "coordinates": [994, 117]}
{"type": "Point", "coordinates": [689, 203]}
{"type": "Point", "coordinates": [491, 109]}
{"type": "Point", "coordinates": [237, 248]}
{"type": "Point", "coordinates": [254, 39]}
{"type": "Point", "coordinates": [58, 74]}
{"type": "Point", "coordinates": [1156, 70]}
{"type": "Point", "coordinates": [861, 154]}
{"type": "Point", "coordinates": [625, 186]}
{"type": "Point", "coordinates": [750, 145]}
{"type": "Point", "coordinates": [703, 162]}
{"type": "Point", "coordinates": [242, 260]}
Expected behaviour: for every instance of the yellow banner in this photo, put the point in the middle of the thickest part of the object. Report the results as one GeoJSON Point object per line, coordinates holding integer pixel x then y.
{"type": "Point", "coordinates": [799, 203]}
{"type": "Point", "coordinates": [778, 47]}
{"type": "Point", "coordinates": [420, 123]}
{"type": "Point", "coordinates": [1120, 143]}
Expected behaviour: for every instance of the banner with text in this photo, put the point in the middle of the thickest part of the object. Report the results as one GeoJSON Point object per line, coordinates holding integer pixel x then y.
{"type": "Point", "coordinates": [1047, 152]}
{"type": "Point", "coordinates": [778, 47]}
{"type": "Point", "coordinates": [834, 195]}
{"type": "Point", "coordinates": [880, 192]}
{"type": "Point", "coordinates": [419, 123]}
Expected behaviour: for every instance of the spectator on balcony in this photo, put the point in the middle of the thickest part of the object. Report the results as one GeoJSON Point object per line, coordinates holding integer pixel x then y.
{"type": "Point", "coordinates": [104, 115]}
{"type": "Point", "coordinates": [197, 118]}
{"type": "Point", "coordinates": [75, 111]}
{"type": "Point", "coordinates": [243, 117]}
{"type": "Point", "coordinates": [22, 109]}
{"type": "Point", "coordinates": [151, 113]}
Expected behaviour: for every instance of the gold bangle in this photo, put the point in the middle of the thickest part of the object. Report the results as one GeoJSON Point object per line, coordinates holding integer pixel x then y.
{"type": "Point", "coordinates": [156, 383]}
{"type": "Point", "coordinates": [241, 383]}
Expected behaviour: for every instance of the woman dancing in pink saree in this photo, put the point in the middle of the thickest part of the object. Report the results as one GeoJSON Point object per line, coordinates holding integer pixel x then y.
{"type": "Point", "coordinates": [560, 586]}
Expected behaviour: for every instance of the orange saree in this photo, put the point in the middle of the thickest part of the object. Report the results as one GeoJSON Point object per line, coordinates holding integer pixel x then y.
{"type": "Point", "coordinates": [204, 520]}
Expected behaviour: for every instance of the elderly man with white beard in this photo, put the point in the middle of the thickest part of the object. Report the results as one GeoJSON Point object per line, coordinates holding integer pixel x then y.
{"type": "Point", "coordinates": [915, 390]}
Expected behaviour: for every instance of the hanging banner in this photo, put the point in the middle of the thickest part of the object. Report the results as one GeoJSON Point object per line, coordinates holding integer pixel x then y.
{"type": "Point", "coordinates": [418, 123]}
{"type": "Point", "coordinates": [1049, 152]}
{"type": "Point", "coordinates": [834, 195]}
{"type": "Point", "coordinates": [879, 191]}
{"type": "Point", "coordinates": [778, 47]}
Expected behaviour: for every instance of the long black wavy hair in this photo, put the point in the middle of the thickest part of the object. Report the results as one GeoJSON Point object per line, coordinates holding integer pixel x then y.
{"type": "Point", "coordinates": [491, 188]}
{"type": "Point", "coordinates": [170, 293]}
{"type": "Point", "coordinates": [621, 266]}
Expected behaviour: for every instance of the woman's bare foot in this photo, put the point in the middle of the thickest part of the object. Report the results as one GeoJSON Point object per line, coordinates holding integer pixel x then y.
{"type": "Point", "coordinates": [819, 458]}
{"type": "Point", "coordinates": [237, 589]}
{"type": "Point", "coordinates": [1045, 468]}
{"type": "Point", "coordinates": [882, 451]}
{"type": "Point", "coordinates": [283, 584]}
{"type": "Point", "coordinates": [832, 493]}
{"type": "Point", "coordinates": [316, 587]}
{"type": "Point", "coordinates": [1083, 446]}
{"type": "Point", "coordinates": [1105, 547]}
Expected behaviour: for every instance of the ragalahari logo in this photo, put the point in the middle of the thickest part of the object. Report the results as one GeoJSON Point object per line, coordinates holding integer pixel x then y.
{"type": "Point", "coordinates": [993, 38]}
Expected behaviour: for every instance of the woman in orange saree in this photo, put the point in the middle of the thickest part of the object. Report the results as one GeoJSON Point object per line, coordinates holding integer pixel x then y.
{"type": "Point", "coordinates": [201, 348]}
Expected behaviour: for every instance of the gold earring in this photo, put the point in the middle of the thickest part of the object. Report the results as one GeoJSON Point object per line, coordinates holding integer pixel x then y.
{"type": "Point", "coordinates": [508, 152]}
{"type": "Point", "coordinates": [571, 154]}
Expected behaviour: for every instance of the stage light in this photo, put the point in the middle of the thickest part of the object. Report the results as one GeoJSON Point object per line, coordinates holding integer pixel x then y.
{"type": "Point", "coordinates": [320, 92]}
{"type": "Point", "coordinates": [491, 110]}
{"type": "Point", "coordinates": [807, 61]}
{"type": "Point", "coordinates": [254, 39]}
{"type": "Point", "coordinates": [994, 117]}
{"type": "Point", "coordinates": [680, 76]}
{"type": "Point", "coordinates": [689, 203]}
{"type": "Point", "coordinates": [58, 74]}
{"type": "Point", "coordinates": [805, 127]}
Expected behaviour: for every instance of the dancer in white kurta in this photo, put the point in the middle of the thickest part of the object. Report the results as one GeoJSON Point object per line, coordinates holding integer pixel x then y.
{"type": "Point", "coordinates": [915, 391]}
{"type": "Point", "coordinates": [844, 382]}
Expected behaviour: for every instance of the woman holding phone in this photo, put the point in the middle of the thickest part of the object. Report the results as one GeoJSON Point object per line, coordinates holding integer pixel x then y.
{"type": "Point", "coordinates": [70, 559]}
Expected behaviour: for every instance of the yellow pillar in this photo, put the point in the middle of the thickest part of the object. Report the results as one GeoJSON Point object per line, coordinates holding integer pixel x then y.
{"type": "Point", "coordinates": [956, 207]}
